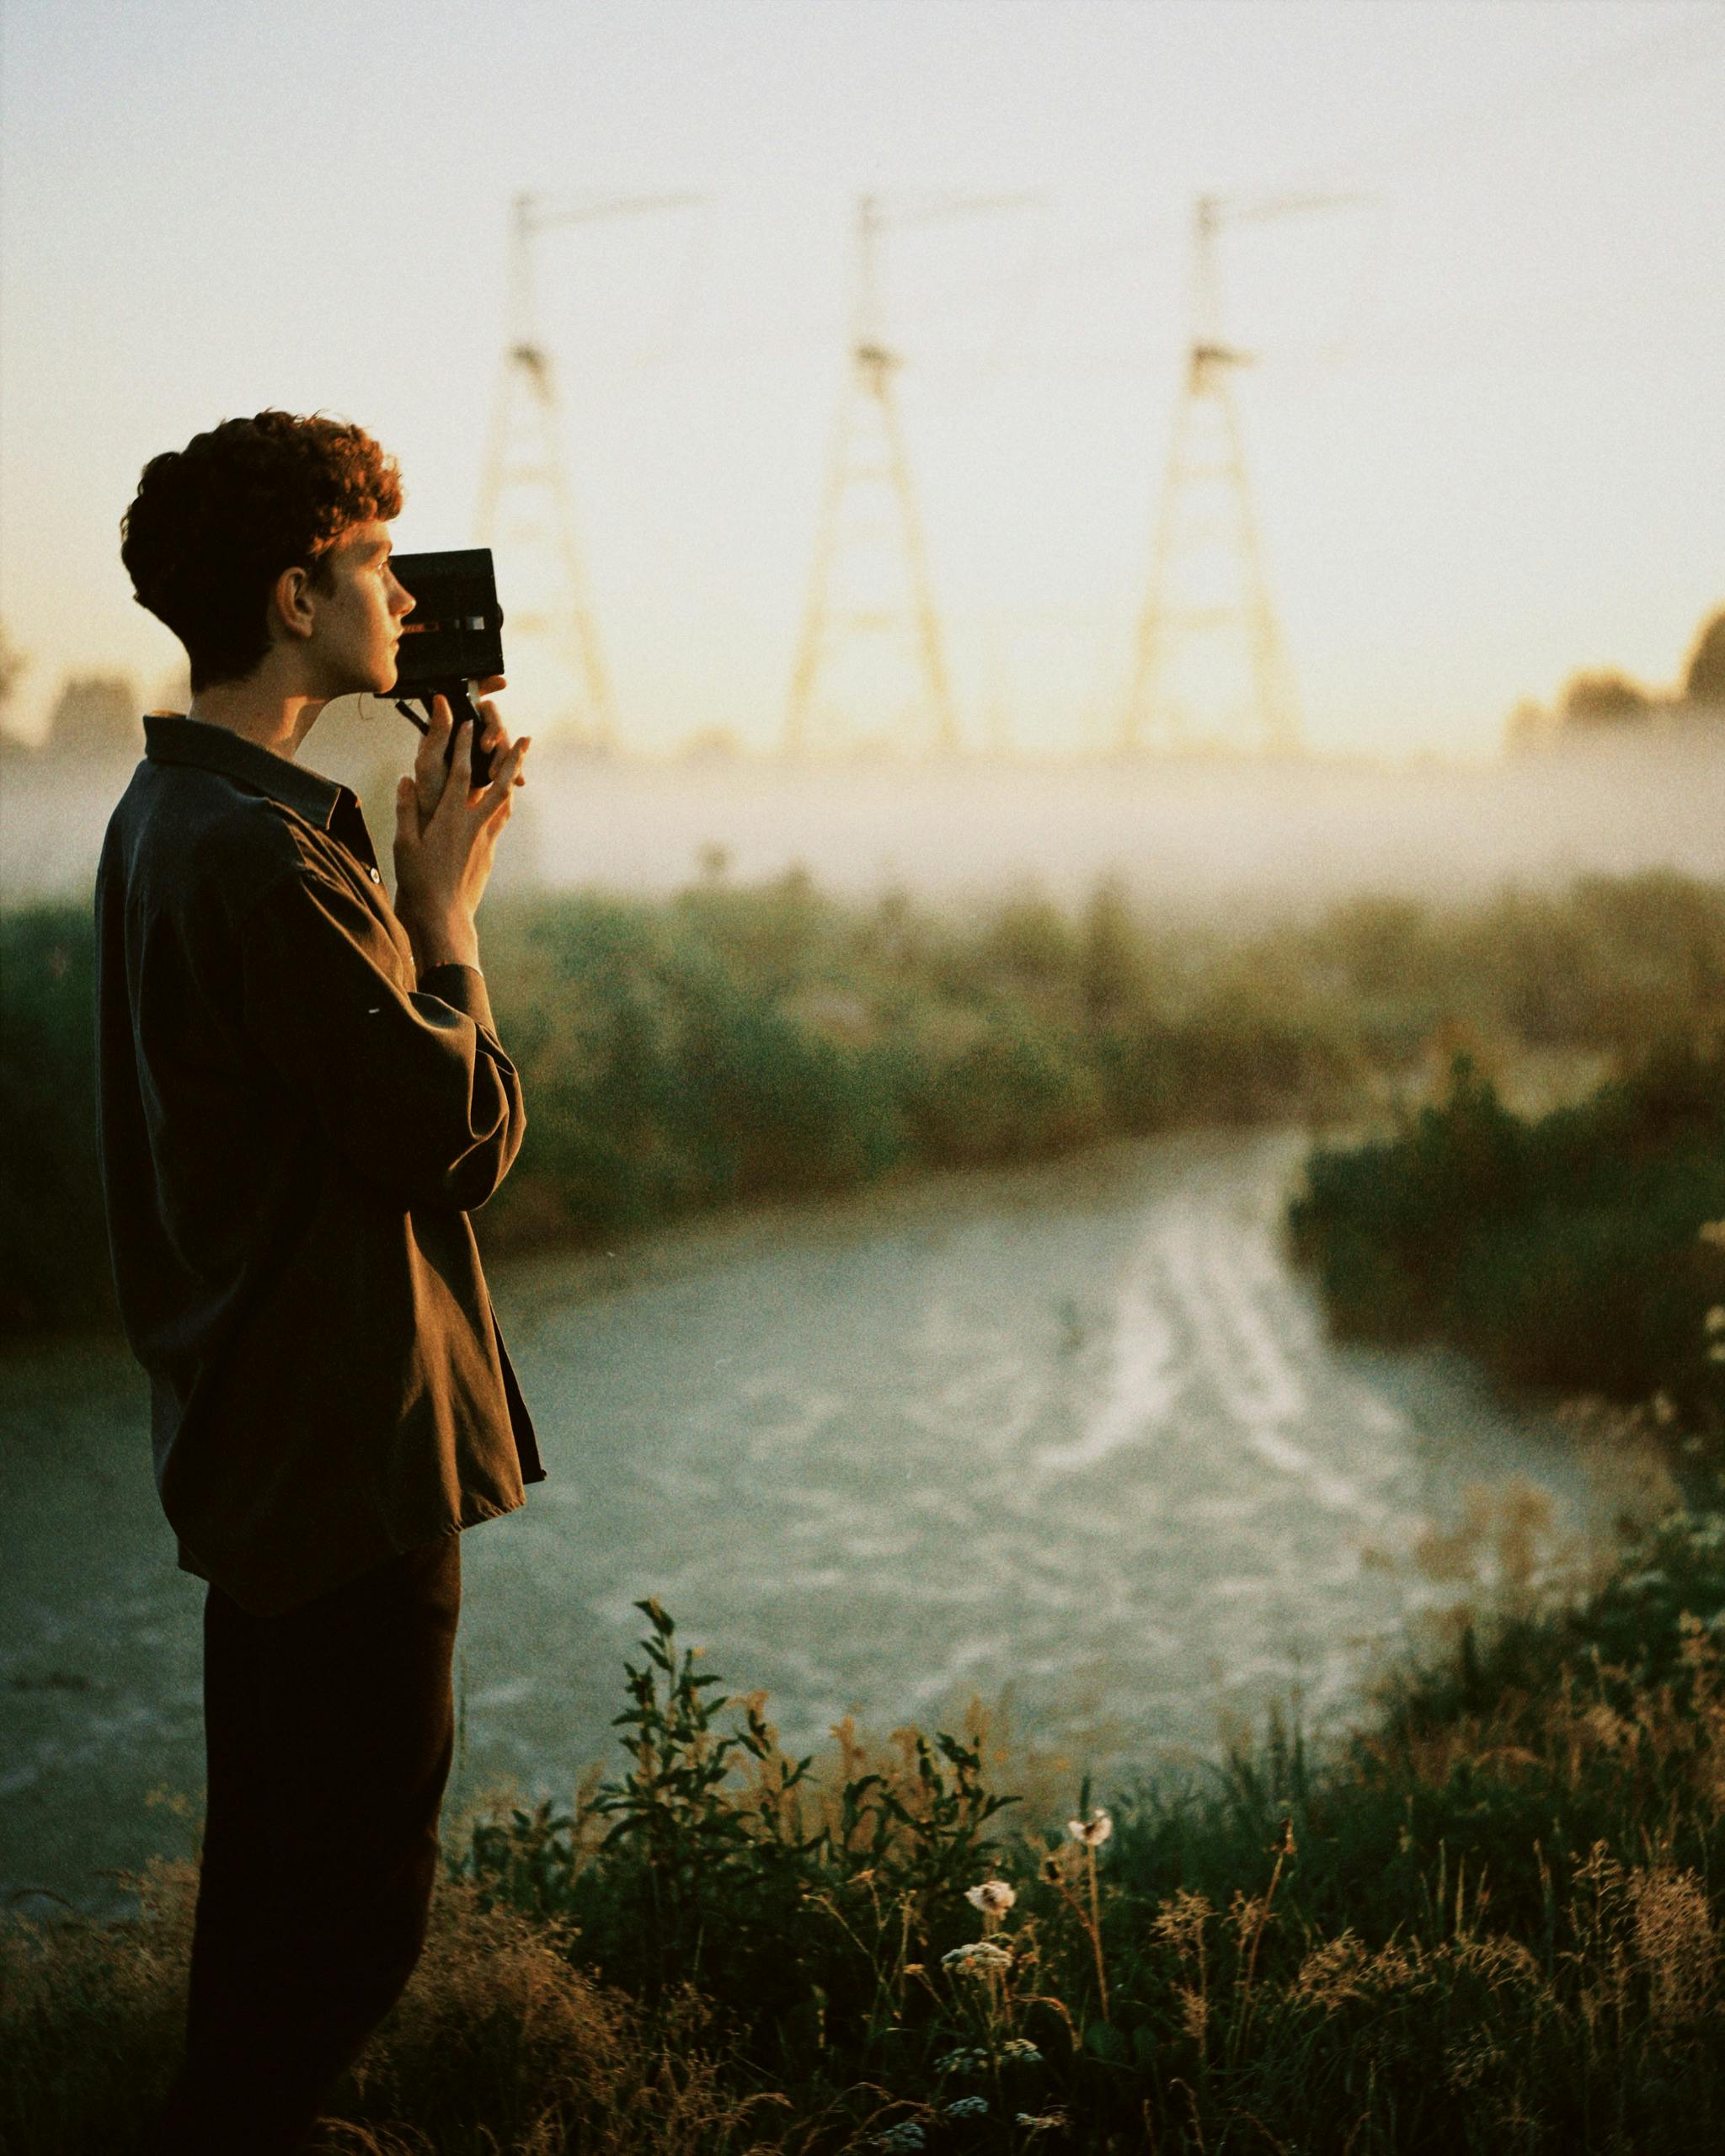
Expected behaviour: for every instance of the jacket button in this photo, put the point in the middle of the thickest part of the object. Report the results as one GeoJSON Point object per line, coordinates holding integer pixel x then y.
{"type": "Point", "coordinates": [376, 878]}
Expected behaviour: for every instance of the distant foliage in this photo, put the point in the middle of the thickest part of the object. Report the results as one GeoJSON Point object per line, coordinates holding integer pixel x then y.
{"type": "Point", "coordinates": [1704, 677]}
{"type": "Point", "coordinates": [1602, 699]}
{"type": "Point", "coordinates": [772, 1041]}
{"type": "Point", "coordinates": [95, 717]}
{"type": "Point", "coordinates": [734, 1043]}
{"type": "Point", "coordinates": [12, 667]}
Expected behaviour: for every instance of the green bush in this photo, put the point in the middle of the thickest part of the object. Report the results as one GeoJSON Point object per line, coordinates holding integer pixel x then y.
{"type": "Point", "coordinates": [1564, 1250]}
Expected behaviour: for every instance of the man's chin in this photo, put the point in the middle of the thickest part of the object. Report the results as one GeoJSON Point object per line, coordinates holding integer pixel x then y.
{"type": "Point", "coordinates": [381, 682]}
{"type": "Point", "coordinates": [377, 681]}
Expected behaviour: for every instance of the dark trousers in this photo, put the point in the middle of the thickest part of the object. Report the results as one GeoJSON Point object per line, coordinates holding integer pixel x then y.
{"type": "Point", "coordinates": [330, 1733]}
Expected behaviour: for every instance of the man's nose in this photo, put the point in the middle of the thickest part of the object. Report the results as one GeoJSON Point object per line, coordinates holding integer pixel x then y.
{"type": "Point", "coordinates": [402, 605]}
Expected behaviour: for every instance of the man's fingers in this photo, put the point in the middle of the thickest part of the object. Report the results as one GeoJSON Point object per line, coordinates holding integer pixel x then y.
{"type": "Point", "coordinates": [506, 773]}
{"type": "Point", "coordinates": [428, 761]}
{"type": "Point", "coordinates": [406, 812]}
{"type": "Point", "coordinates": [427, 777]}
{"type": "Point", "coordinates": [453, 783]}
{"type": "Point", "coordinates": [493, 736]}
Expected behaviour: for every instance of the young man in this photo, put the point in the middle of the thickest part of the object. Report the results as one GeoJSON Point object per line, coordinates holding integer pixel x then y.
{"type": "Point", "coordinates": [302, 1096]}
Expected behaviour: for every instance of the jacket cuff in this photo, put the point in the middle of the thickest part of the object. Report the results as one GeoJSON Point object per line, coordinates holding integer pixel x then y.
{"type": "Point", "coordinates": [463, 988]}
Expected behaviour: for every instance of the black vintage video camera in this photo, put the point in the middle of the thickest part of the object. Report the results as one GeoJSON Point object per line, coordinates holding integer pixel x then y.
{"type": "Point", "coordinates": [453, 639]}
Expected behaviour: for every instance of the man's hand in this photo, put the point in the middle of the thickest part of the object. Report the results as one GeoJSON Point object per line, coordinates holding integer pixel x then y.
{"type": "Point", "coordinates": [446, 830]}
{"type": "Point", "coordinates": [432, 763]}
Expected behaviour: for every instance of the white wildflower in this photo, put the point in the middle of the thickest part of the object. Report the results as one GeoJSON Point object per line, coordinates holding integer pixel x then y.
{"type": "Point", "coordinates": [906, 2135]}
{"type": "Point", "coordinates": [967, 2107]}
{"type": "Point", "coordinates": [994, 1897]}
{"type": "Point", "coordinates": [1716, 1318]}
{"type": "Point", "coordinates": [1092, 1832]}
{"type": "Point", "coordinates": [980, 1957]}
{"type": "Point", "coordinates": [1021, 2051]}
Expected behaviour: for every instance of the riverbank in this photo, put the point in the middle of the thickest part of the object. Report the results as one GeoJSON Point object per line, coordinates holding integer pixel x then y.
{"type": "Point", "coordinates": [730, 1045]}
{"type": "Point", "coordinates": [1489, 1921]}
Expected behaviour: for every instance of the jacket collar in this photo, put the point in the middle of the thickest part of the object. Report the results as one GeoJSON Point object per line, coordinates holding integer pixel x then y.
{"type": "Point", "coordinates": [169, 739]}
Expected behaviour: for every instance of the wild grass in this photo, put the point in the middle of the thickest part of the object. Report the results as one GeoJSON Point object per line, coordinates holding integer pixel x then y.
{"type": "Point", "coordinates": [1490, 1921]}
{"type": "Point", "coordinates": [731, 1042]}
{"type": "Point", "coordinates": [500, 2043]}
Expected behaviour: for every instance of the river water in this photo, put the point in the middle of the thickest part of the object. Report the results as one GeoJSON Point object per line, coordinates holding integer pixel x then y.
{"type": "Point", "coordinates": [1070, 1437]}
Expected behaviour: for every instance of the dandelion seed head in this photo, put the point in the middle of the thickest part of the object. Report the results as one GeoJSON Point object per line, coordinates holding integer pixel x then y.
{"type": "Point", "coordinates": [993, 1896]}
{"type": "Point", "coordinates": [1093, 1832]}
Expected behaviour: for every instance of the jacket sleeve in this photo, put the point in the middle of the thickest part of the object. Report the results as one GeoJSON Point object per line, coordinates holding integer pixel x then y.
{"type": "Point", "coordinates": [411, 1085]}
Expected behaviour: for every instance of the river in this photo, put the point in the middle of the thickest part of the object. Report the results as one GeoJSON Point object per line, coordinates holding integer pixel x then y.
{"type": "Point", "coordinates": [1071, 1437]}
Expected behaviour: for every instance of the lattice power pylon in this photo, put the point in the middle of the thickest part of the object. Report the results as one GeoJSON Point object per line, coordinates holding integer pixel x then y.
{"type": "Point", "coordinates": [527, 509]}
{"type": "Point", "coordinates": [870, 588]}
{"type": "Point", "coordinates": [1211, 669]}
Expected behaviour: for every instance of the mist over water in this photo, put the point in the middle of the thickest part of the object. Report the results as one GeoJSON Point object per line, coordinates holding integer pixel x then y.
{"type": "Point", "coordinates": [1262, 836]}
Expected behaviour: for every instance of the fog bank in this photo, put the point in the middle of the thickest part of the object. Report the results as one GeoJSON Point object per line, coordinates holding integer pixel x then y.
{"type": "Point", "coordinates": [1183, 835]}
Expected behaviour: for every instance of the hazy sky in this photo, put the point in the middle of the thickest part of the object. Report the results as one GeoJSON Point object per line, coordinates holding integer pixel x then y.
{"type": "Point", "coordinates": [1486, 430]}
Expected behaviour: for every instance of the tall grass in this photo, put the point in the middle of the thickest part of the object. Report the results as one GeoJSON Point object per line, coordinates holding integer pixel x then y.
{"type": "Point", "coordinates": [53, 1246]}
{"type": "Point", "coordinates": [1491, 1922]}
{"type": "Point", "coordinates": [728, 1044]}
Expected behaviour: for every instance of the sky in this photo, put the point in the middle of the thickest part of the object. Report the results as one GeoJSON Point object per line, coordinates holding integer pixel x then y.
{"type": "Point", "coordinates": [1485, 425]}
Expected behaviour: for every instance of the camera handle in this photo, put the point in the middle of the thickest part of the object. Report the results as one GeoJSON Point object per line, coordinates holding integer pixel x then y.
{"type": "Point", "coordinates": [462, 713]}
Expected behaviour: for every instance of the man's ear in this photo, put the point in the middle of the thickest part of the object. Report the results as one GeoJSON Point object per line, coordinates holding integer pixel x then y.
{"type": "Point", "coordinates": [290, 602]}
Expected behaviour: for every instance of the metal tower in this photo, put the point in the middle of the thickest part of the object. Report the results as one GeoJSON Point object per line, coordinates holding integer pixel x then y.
{"type": "Point", "coordinates": [869, 498]}
{"type": "Point", "coordinates": [525, 499]}
{"type": "Point", "coordinates": [1207, 610]}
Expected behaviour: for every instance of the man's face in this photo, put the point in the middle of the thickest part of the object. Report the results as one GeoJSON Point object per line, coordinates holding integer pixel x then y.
{"type": "Point", "coordinates": [359, 610]}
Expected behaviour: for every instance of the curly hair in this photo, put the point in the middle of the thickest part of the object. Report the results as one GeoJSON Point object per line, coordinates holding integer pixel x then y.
{"type": "Point", "coordinates": [213, 524]}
